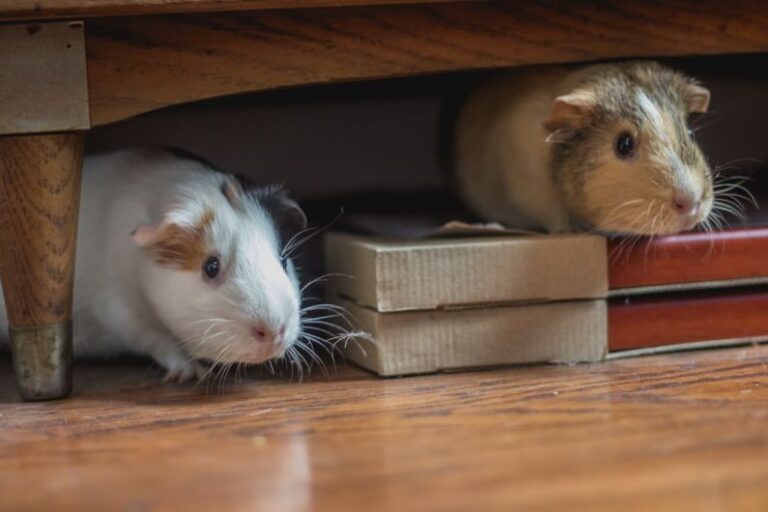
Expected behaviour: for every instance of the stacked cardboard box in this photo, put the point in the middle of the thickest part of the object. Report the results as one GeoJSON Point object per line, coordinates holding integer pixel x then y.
{"type": "Point", "coordinates": [442, 304]}
{"type": "Point", "coordinates": [433, 305]}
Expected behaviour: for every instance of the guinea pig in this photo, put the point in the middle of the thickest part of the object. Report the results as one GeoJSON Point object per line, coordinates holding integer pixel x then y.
{"type": "Point", "coordinates": [183, 263]}
{"type": "Point", "coordinates": [605, 147]}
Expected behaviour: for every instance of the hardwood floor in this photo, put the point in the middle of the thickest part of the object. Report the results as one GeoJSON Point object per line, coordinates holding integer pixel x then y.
{"type": "Point", "coordinates": [672, 432]}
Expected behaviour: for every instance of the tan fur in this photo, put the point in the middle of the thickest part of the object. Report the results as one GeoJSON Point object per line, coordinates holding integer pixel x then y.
{"type": "Point", "coordinates": [184, 248]}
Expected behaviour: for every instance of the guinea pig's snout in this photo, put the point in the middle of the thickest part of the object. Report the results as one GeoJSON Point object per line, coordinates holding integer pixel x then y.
{"type": "Point", "coordinates": [686, 204]}
{"type": "Point", "coordinates": [263, 333]}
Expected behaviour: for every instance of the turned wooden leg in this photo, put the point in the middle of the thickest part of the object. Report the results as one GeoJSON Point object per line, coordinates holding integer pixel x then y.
{"type": "Point", "coordinates": [39, 195]}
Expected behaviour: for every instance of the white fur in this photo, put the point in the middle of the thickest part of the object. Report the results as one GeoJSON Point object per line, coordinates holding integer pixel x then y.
{"type": "Point", "coordinates": [125, 302]}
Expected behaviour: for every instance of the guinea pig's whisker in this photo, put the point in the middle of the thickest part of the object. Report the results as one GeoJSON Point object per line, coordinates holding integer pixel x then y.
{"type": "Point", "coordinates": [696, 128]}
{"type": "Point", "coordinates": [341, 314]}
{"type": "Point", "coordinates": [611, 216]}
{"type": "Point", "coordinates": [726, 184]}
{"type": "Point", "coordinates": [322, 343]}
{"type": "Point", "coordinates": [335, 308]}
{"type": "Point", "coordinates": [232, 305]}
{"type": "Point", "coordinates": [324, 307]}
{"type": "Point", "coordinates": [355, 338]}
{"type": "Point", "coordinates": [224, 362]}
{"type": "Point", "coordinates": [301, 357]}
{"type": "Point", "coordinates": [320, 330]}
{"type": "Point", "coordinates": [325, 318]}
{"type": "Point", "coordinates": [738, 201]}
{"type": "Point", "coordinates": [222, 376]}
{"type": "Point", "coordinates": [294, 241]}
{"type": "Point", "coordinates": [207, 320]}
{"type": "Point", "coordinates": [729, 205]}
{"type": "Point", "coordinates": [747, 160]}
{"type": "Point", "coordinates": [319, 279]}
{"type": "Point", "coordinates": [207, 331]}
{"type": "Point", "coordinates": [295, 359]}
{"type": "Point", "coordinates": [286, 252]}
{"type": "Point", "coordinates": [315, 319]}
{"type": "Point", "coordinates": [649, 245]}
{"type": "Point", "coordinates": [214, 370]}
{"type": "Point", "coordinates": [718, 222]}
{"type": "Point", "coordinates": [313, 357]}
{"type": "Point", "coordinates": [658, 218]}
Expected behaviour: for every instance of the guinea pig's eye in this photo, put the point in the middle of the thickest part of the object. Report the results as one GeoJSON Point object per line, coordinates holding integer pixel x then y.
{"type": "Point", "coordinates": [211, 267]}
{"type": "Point", "coordinates": [625, 145]}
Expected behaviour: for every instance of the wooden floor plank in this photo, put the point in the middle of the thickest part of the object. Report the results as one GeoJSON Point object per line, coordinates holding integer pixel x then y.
{"type": "Point", "coordinates": [673, 432]}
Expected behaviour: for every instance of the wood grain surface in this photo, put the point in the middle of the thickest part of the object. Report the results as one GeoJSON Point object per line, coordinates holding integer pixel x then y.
{"type": "Point", "coordinates": [690, 258]}
{"type": "Point", "coordinates": [652, 321]}
{"type": "Point", "coordinates": [39, 194]}
{"type": "Point", "coordinates": [47, 9]}
{"type": "Point", "coordinates": [663, 433]}
{"type": "Point", "coordinates": [139, 64]}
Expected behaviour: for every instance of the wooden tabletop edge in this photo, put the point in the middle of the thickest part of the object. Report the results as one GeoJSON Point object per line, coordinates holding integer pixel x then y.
{"type": "Point", "coordinates": [48, 10]}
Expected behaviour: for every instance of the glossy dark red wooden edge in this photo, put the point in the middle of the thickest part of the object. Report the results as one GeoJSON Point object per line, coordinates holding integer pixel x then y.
{"type": "Point", "coordinates": [651, 321]}
{"type": "Point", "coordinates": [689, 258]}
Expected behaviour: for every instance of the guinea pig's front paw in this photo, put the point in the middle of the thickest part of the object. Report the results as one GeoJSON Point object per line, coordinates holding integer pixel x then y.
{"type": "Point", "coordinates": [185, 372]}
{"type": "Point", "coordinates": [179, 366]}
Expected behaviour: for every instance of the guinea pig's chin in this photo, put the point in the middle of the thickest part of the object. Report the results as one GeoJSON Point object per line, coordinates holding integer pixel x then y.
{"type": "Point", "coordinates": [245, 354]}
{"type": "Point", "coordinates": [644, 221]}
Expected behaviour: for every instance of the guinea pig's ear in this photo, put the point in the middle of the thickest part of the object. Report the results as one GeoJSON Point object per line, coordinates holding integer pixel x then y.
{"type": "Point", "coordinates": [287, 214]}
{"type": "Point", "coordinates": [294, 218]}
{"type": "Point", "coordinates": [145, 234]}
{"type": "Point", "coordinates": [697, 98]}
{"type": "Point", "coordinates": [569, 111]}
{"type": "Point", "coordinates": [233, 191]}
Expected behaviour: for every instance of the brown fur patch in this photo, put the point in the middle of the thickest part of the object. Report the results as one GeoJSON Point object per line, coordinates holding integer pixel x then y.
{"type": "Point", "coordinates": [180, 247]}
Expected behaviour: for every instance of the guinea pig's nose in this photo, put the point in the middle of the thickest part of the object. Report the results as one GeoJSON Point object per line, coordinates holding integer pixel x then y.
{"type": "Point", "coordinates": [262, 333]}
{"type": "Point", "coordinates": [685, 204]}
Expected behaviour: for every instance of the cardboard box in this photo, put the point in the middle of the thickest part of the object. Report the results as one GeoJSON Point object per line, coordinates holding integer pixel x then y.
{"type": "Point", "coordinates": [475, 301]}
{"type": "Point", "coordinates": [428, 302]}
{"type": "Point", "coordinates": [415, 342]}
{"type": "Point", "coordinates": [390, 275]}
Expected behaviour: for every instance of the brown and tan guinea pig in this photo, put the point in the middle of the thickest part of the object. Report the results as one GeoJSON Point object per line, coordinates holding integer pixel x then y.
{"type": "Point", "coordinates": [606, 147]}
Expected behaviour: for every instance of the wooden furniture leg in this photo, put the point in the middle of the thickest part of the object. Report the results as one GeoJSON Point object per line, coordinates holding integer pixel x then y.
{"type": "Point", "coordinates": [39, 195]}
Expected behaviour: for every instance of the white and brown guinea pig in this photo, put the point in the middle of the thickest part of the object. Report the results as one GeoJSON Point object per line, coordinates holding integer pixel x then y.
{"type": "Point", "coordinates": [605, 147]}
{"type": "Point", "coordinates": [182, 263]}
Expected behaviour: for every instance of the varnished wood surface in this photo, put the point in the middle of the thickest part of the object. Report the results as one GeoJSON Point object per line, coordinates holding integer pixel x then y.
{"type": "Point", "coordinates": [675, 432]}
{"type": "Point", "coordinates": [690, 258]}
{"type": "Point", "coordinates": [651, 321]}
{"type": "Point", "coordinates": [47, 9]}
{"type": "Point", "coordinates": [39, 201]}
{"type": "Point", "coordinates": [138, 64]}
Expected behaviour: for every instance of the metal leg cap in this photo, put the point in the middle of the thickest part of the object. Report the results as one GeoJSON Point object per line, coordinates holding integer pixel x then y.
{"type": "Point", "coordinates": [42, 360]}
